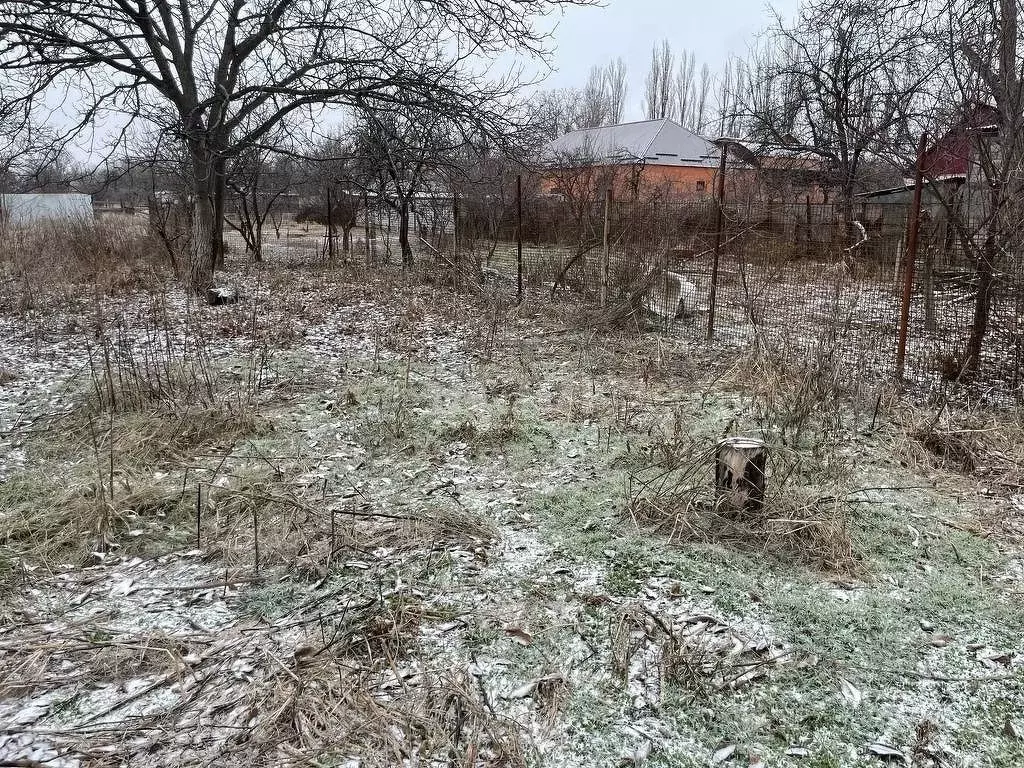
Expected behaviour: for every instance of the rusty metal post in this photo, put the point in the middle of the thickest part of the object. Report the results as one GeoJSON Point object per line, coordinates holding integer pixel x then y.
{"type": "Point", "coordinates": [330, 228]}
{"type": "Point", "coordinates": [455, 234]}
{"type": "Point", "coordinates": [605, 255]}
{"type": "Point", "coordinates": [519, 236]}
{"type": "Point", "coordinates": [913, 225]}
{"type": "Point", "coordinates": [719, 221]}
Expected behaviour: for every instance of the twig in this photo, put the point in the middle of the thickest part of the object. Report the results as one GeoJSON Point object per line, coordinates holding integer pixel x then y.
{"type": "Point", "coordinates": [130, 698]}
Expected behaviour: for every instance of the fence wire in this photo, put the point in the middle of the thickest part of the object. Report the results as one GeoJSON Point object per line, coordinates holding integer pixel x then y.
{"type": "Point", "coordinates": [790, 276]}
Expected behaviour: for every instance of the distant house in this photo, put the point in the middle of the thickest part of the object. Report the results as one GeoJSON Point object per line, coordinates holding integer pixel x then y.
{"type": "Point", "coordinates": [25, 209]}
{"type": "Point", "coordinates": [790, 176]}
{"type": "Point", "coordinates": [951, 167]}
{"type": "Point", "coordinates": [651, 156]}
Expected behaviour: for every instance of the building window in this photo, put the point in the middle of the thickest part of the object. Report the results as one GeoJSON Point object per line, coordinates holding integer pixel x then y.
{"type": "Point", "coordinates": [700, 186]}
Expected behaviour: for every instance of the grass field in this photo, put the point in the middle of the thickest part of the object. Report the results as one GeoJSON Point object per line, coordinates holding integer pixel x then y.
{"type": "Point", "coordinates": [358, 519]}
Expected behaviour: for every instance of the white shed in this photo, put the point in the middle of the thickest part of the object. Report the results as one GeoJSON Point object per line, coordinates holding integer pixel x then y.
{"type": "Point", "coordinates": [25, 209]}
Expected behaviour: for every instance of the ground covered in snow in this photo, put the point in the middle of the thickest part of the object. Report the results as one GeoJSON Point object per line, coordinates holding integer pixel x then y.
{"type": "Point", "coordinates": [359, 520]}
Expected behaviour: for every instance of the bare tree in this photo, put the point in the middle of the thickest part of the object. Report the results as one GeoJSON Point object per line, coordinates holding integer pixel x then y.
{"type": "Point", "coordinates": [580, 177]}
{"type": "Point", "coordinates": [219, 76]}
{"type": "Point", "coordinates": [615, 78]}
{"type": "Point", "coordinates": [658, 96]}
{"type": "Point", "coordinates": [836, 84]}
{"type": "Point", "coordinates": [731, 85]}
{"type": "Point", "coordinates": [554, 112]}
{"type": "Point", "coordinates": [684, 88]}
{"type": "Point", "coordinates": [603, 99]}
{"type": "Point", "coordinates": [404, 152]}
{"type": "Point", "coordinates": [337, 180]}
{"type": "Point", "coordinates": [700, 107]}
{"type": "Point", "coordinates": [594, 108]}
{"type": "Point", "coordinates": [256, 181]}
{"type": "Point", "coordinates": [981, 92]}
{"type": "Point", "coordinates": [690, 94]}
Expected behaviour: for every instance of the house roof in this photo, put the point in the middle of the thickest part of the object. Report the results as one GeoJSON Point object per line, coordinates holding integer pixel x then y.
{"type": "Point", "coordinates": [656, 142]}
{"type": "Point", "coordinates": [950, 155]}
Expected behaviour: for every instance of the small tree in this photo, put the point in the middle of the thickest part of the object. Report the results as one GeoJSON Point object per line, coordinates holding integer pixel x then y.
{"type": "Point", "coordinates": [838, 84]}
{"type": "Point", "coordinates": [218, 77]}
{"type": "Point", "coordinates": [339, 181]}
{"type": "Point", "coordinates": [403, 152]}
{"type": "Point", "coordinates": [256, 180]}
{"type": "Point", "coordinates": [981, 89]}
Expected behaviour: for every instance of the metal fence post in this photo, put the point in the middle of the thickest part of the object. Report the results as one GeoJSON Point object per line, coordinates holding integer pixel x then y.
{"type": "Point", "coordinates": [913, 225]}
{"type": "Point", "coordinates": [605, 255]}
{"type": "Point", "coordinates": [519, 236]}
{"type": "Point", "coordinates": [719, 221]}
{"type": "Point", "coordinates": [366, 230]}
{"type": "Point", "coordinates": [455, 231]}
{"type": "Point", "coordinates": [330, 228]}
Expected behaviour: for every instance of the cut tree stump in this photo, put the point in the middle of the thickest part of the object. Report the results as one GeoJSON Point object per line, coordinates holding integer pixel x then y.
{"type": "Point", "coordinates": [215, 297]}
{"type": "Point", "coordinates": [740, 473]}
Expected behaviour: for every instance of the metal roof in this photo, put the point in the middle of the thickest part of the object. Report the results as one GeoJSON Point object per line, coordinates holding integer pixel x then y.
{"type": "Point", "coordinates": [656, 142]}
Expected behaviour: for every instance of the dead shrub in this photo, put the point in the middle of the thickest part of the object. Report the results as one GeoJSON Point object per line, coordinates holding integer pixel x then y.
{"type": "Point", "coordinates": [985, 443]}
{"type": "Point", "coordinates": [52, 260]}
{"type": "Point", "coordinates": [795, 523]}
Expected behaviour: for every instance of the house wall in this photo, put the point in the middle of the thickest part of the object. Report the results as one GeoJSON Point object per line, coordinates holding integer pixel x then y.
{"type": "Point", "coordinates": [21, 210]}
{"type": "Point", "coordinates": [673, 182]}
{"type": "Point", "coordinates": [676, 182]}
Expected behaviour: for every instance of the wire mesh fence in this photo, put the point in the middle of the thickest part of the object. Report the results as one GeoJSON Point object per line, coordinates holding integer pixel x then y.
{"type": "Point", "coordinates": [789, 277]}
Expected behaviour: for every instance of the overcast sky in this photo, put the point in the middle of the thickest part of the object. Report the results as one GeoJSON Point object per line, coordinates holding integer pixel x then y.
{"type": "Point", "coordinates": [712, 29]}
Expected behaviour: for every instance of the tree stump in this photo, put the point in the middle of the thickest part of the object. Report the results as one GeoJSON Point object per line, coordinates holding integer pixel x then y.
{"type": "Point", "coordinates": [740, 473]}
{"type": "Point", "coordinates": [215, 297]}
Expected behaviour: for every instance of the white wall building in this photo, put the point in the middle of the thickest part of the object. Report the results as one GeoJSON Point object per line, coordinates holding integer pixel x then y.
{"type": "Point", "coordinates": [20, 210]}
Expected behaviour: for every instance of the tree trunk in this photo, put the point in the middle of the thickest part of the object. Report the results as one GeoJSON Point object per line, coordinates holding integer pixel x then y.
{"type": "Point", "coordinates": [201, 256]}
{"type": "Point", "coordinates": [346, 239]}
{"type": "Point", "coordinates": [403, 233]}
{"type": "Point", "coordinates": [220, 193]}
{"type": "Point", "coordinates": [257, 254]}
{"type": "Point", "coordinates": [982, 305]}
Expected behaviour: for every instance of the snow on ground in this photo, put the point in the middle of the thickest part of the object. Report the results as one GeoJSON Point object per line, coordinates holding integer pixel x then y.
{"type": "Point", "coordinates": [447, 576]}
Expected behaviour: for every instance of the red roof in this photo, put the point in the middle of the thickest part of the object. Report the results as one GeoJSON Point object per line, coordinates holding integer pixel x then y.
{"type": "Point", "coordinates": [951, 154]}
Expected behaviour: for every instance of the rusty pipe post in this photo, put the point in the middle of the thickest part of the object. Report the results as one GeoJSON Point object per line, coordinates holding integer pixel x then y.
{"type": "Point", "coordinates": [913, 226]}
{"type": "Point", "coordinates": [719, 220]}
{"type": "Point", "coordinates": [519, 237]}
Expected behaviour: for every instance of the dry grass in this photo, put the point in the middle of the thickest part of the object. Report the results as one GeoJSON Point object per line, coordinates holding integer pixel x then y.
{"type": "Point", "coordinates": [52, 261]}
{"type": "Point", "coordinates": [795, 524]}
{"type": "Point", "coordinates": [985, 444]}
{"type": "Point", "coordinates": [798, 407]}
{"type": "Point", "coordinates": [47, 521]}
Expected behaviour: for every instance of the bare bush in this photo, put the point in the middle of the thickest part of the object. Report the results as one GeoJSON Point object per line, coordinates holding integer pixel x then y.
{"type": "Point", "coordinates": [54, 260]}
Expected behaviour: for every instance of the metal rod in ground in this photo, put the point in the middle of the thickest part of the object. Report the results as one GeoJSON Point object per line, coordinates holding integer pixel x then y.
{"type": "Point", "coordinates": [719, 221]}
{"type": "Point", "coordinates": [913, 225]}
{"type": "Point", "coordinates": [455, 236]}
{"type": "Point", "coordinates": [330, 228]}
{"type": "Point", "coordinates": [604, 255]}
{"type": "Point", "coordinates": [255, 541]}
{"type": "Point", "coordinates": [519, 236]}
{"type": "Point", "coordinates": [366, 229]}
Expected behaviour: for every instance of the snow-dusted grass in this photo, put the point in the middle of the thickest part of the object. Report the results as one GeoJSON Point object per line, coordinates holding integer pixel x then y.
{"type": "Point", "coordinates": [420, 551]}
